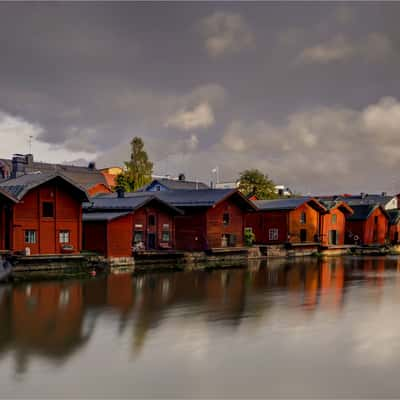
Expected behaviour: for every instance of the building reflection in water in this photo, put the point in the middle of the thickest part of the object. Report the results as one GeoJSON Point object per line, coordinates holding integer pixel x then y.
{"type": "Point", "coordinates": [56, 319]}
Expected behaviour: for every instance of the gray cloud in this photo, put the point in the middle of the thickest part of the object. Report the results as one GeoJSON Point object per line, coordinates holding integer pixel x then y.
{"type": "Point", "coordinates": [85, 78]}
{"type": "Point", "coordinates": [226, 32]}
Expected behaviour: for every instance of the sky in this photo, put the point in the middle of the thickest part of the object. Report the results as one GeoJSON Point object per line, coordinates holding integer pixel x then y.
{"type": "Point", "coordinates": [309, 93]}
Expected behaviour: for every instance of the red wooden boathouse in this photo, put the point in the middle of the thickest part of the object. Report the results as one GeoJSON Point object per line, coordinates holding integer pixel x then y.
{"type": "Point", "coordinates": [41, 212]}
{"type": "Point", "coordinates": [368, 225]}
{"type": "Point", "coordinates": [294, 220]}
{"type": "Point", "coordinates": [212, 218]}
{"type": "Point", "coordinates": [116, 224]}
{"type": "Point", "coordinates": [333, 222]}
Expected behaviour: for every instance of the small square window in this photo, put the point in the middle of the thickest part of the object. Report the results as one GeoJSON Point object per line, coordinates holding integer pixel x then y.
{"type": "Point", "coordinates": [303, 218]}
{"type": "Point", "coordinates": [63, 237]}
{"type": "Point", "coordinates": [226, 219]}
{"type": "Point", "coordinates": [334, 219]}
{"type": "Point", "coordinates": [165, 236]}
{"type": "Point", "coordinates": [47, 209]}
{"type": "Point", "coordinates": [30, 237]}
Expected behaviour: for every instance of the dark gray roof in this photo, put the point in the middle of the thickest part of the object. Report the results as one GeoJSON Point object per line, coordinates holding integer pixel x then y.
{"type": "Point", "coordinates": [185, 198]}
{"type": "Point", "coordinates": [394, 216]}
{"type": "Point", "coordinates": [201, 198]}
{"type": "Point", "coordinates": [175, 184]}
{"type": "Point", "coordinates": [111, 202]}
{"type": "Point", "coordinates": [84, 176]}
{"type": "Point", "coordinates": [283, 204]}
{"type": "Point", "coordinates": [331, 204]}
{"type": "Point", "coordinates": [363, 211]}
{"type": "Point", "coordinates": [365, 199]}
{"type": "Point", "coordinates": [103, 216]}
{"type": "Point", "coordinates": [18, 187]}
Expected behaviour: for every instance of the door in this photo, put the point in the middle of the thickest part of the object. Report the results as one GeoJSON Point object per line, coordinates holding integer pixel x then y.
{"type": "Point", "coordinates": [333, 237]}
{"type": "Point", "coordinates": [151, 241]}
{"type": "Point", "coordinates": [303, 235]}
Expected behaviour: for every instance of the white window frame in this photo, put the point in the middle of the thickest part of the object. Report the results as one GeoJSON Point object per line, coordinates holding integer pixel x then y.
{"type": "Point", "coordinates": [30, 236]}
{"type": "Point", "coordinates": [64, 237]}
{"type": "Point", "coordinates": [273, 234]}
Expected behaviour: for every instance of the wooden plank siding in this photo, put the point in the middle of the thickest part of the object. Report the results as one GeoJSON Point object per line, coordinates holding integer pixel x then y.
{"type": "Point", "coordinates": [28, 215]}
{"type": "Point", "coordinates": [373, 230]}
{"type": "Point", "coordinates": [328, 224]}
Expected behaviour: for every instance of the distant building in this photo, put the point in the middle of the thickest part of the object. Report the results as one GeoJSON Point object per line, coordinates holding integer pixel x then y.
{"type": "Point", "coordinates": [110, 174]}
{"type": "Point", "coordinates": [166, 184]}
{"type": "Point", "coordinates": [388, 202]}
{"type": "Point", "coordinates": [88, 177]}
{"type": "Point", "coordinates": [282, 190]}
{"type": "Point", "coordinates": [227, 185]}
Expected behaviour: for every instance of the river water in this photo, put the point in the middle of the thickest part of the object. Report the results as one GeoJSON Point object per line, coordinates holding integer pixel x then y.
{"type": "Point", "coordinates": [303, 328]}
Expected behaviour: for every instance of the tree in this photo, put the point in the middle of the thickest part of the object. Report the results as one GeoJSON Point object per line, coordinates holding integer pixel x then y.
{"type": "Point", "coordinates": [138, 169]}
{"type": "Point", "coordinates": [254, 182]}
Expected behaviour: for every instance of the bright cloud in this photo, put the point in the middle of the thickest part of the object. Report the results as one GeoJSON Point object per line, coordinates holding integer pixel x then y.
{"type": "Point", "coordinates": [202, 116]}
{"type": "Point", "coordinates": [15, 133]}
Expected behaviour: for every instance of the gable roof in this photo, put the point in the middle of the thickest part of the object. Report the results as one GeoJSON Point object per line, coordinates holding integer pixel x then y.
{"type": "Point", "coordinates": [288, 204]}
{"type": "Point", "coordinates": [84, 176]}
{"type": "Point", "coordinates": [111, 202]}
{"type": "Point", "coordinates": [365, 199]}
{"type": "Point", "coordinates": [333, 204]}
{"type": "Point", "coordinates": [17, 188]}
{"type": "Point", "coordinates": [363, 211]}
{"type": "Point", "coordinates": [203, 198]}
{"type": "Point", "coordinates": [174, 184]}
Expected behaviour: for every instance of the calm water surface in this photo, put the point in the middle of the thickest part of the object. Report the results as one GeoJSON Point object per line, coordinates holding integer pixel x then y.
{"type": "Point", "coordinates": [285, 329]}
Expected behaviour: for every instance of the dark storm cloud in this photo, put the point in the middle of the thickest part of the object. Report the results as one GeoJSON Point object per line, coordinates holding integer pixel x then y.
{"type": "Point", "coordinates": [306, 92]}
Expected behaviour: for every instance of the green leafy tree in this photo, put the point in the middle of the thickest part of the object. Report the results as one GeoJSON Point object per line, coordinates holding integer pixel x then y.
{"type": "Point", "coordinates": [254, 182]}
{"type": "Point", "coordinates": [138, 169]}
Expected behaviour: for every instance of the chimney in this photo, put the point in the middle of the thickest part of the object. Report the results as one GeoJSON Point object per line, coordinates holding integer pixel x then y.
{"type": "Point", "coordinates": [18, 165]}
{"type": "Point", "coordinates": [29, 160]}
{"type": "Point", "coordinates": [92, 165]}
{"type": "Point", "coordinates": [363, 195]}
{"type": "Point", "coordinates": [120, 192]}
{"type": "Point", "coordinates": [182, 177]}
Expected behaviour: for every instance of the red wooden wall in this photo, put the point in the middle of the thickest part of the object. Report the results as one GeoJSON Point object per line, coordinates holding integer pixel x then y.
{"type": "Point", "coordinates": [327, 225]}
{"type": "Point", "coordinates": [369, 231]}
{"type": "Point", "coordinates": [262, 221]}
{"type": "Point", "coordinates": [191, 231]}
{"type": "Point", "coordinates": [27, 215]}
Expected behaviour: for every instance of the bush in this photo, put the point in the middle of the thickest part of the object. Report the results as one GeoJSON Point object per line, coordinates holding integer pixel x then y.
{"type": "Point", "coordinates": [249, 237]}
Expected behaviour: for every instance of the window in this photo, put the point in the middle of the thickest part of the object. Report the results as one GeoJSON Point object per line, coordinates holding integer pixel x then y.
{"type": "Point", "coordinates": [63, 236]}
{"type": "Point", "coordinates": [334, 218]}
{"type": "Point", "coordinates": [30, 237]}
{"type": "Point", "coordinates": [165, 236]}
{"type": "Point", "coordinates": [226, 219]}
{"type": "Point", "coordinates": [232, 240]}
{"type": "Point", "coordinates": [303, 218]}
{"type": "Point", "coordinates": [376, 219]}
{"type": "Point", "coordinates": [47, 209]}
{"type": "Point", "coordinates": [158, 188]}
{"type": "Point", "coordinates": [138, 236]}
{"type": "Point", "coordinates": [273, 234]}
{"type": "Point", "coordinates": [152, 220]}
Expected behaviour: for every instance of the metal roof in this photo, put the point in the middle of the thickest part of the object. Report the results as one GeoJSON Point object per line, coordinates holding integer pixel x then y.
{"type": "Point", "coordinates": [18, 187]}
{"type": "Point", "coordinates": [365, 199]}
{"type": "Point", "coordinates": [363, 211]}
{"type": "Point", "coordinates": [103, 216]}
{"type": "Point", "coordinates": [84, 176]}
{"type": "Point", "coordinates": [175, 184]}
{"type": "Point", "coordinates": [201, 198]}
{"type": "Point", "coordinates": [128, 202]}
{"type": "Point", "coordinates": [284, 204]}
